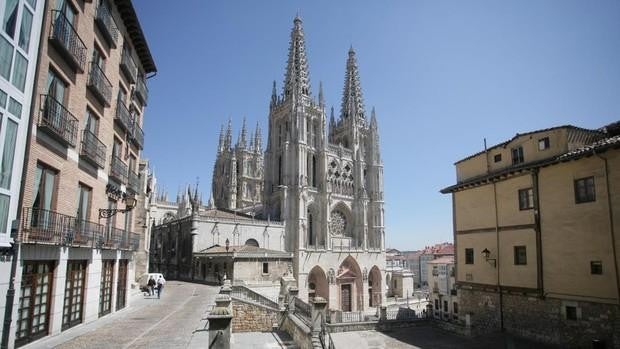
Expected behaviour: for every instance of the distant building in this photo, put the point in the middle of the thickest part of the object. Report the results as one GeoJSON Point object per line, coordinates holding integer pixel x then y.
{"type": "Point", "coordinates": [536, 222]}
{"type": "Point", "coordinates": [413, 264]}
{"type": "Point", "coordinates": [430, 253]}
{"type": "Point", "coordinates": [399, 279]}
{"type": "Point", "coordinates": [443, 299]}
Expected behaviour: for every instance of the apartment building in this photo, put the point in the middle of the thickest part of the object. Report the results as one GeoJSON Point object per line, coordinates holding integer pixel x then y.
{"type": "Point", "coordinates": [443, 300]}
{"type": "Point", "coordinates": [19, 44]}
{"type": "Point", "coordinates": [536, 220]}
{"type": "Point", "coordinates": [76, 236]}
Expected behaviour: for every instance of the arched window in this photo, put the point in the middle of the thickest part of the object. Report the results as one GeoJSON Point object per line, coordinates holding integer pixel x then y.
{"type": "Point", "coordinates": [314, 171]}
{"type": "Point", "coordinates": [279, 170]}
{"type": "Point", "coordinates": [251, 242]}
{"type": "Point", "coordinates": [311, 236]}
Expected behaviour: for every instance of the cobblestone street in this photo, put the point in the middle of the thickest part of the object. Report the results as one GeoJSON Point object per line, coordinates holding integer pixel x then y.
{"type": "Point", "coordinates": [169, 322]}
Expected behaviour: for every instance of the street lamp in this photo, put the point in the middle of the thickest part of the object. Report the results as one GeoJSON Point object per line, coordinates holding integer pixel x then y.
{"type": "Point", "coordinates": [227, 245]}
{"type": "Point", "coordinates": [486, 253]}
{"type": "Point", "coordinates": [130, 203]}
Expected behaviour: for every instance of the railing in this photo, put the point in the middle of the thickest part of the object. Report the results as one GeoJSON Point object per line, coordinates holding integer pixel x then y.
{"type": "Point", "coordinates": [326, 338]}
{"type": "Point", "coordinates": [93, 149]}
{"type": "Point", "coordinates": [141, 91]}
{"type": "Point", "coordinates": [106, 23]}
{"type": "Point", "coordinates": [118, 169]}
{"type": "Point", "coordinates": [67, 40]}
{"type": "Point", "coordinates": [56, 119]}
{"type": "Point", "coordinates": [303, 310]}
{"type": "Point", "coordinates": [402, 314]}
{"type": "Point", "coordinates": [128, 66]}
{"type": "Point", "coordinates": [49, 227]}
{"type": "Point", "coordinates": [138, 135]}
{"type": "Point", "coordinates": [134, 182]}
{"type": "Point", "coordinates": [244, 293]}
{"type": "Point", "coordinates": [123, 116]}
{"type": "Point", "coordinates": [99, 84]}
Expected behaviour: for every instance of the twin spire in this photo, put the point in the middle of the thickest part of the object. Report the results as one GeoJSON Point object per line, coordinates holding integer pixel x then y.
{"type": "Point", "coordinates": [225, 142]}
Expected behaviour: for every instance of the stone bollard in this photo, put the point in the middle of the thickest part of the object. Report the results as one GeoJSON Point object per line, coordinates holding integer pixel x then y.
{"type": "Point", "coordinates": [382, 313]}
{"type": "Point", "coordinates": [220, 320]}
{"type": "Point", "coordinates": [319, 304]}
{"type": "Point", "coordinates": [293, 291]}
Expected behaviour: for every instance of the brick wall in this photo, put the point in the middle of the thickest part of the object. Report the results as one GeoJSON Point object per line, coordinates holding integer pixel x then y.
{"type": "Point", "coordinates": [252, 318]}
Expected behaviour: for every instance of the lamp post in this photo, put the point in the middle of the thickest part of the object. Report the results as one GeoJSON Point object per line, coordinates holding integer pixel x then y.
{"type": "Point", "coordinates": [486, 253]}
{"type": "Point", "coordinates": [130, 204]}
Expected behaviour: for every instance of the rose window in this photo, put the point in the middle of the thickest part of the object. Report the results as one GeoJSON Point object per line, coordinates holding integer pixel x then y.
{"type": "Point", "coordinates": [338, 224]}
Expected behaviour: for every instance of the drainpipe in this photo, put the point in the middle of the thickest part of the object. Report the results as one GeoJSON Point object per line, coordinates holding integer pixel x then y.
{"type": "Point", "coordinates": [539, 266]}
{"type": "Point", "coordinates": [497, 265]}
{"type": "Point", "coordinates": [611, 222]}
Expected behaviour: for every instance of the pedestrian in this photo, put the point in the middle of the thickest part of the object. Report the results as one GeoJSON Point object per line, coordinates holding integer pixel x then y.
{"type": "Point", "coordinates": [160, 286]}
{"type": "Point", "coordinates": [151, 286]}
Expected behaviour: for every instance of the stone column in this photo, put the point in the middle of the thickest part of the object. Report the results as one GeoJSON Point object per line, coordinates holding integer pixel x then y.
{"type": "Point", "coordinates": [319, 304]}
{"type": "Point", "coordinates": [220, 320]}
{"type": "Point", "coordinates": [227, 291]}
{"type": "Point", "coordinates": [58, 292]}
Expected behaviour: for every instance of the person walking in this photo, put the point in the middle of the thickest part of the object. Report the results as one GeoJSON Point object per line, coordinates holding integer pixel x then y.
{"type": "Point", "coordinates": [160, 286]}
{"type": "Point", "coordinates": [151, 286]}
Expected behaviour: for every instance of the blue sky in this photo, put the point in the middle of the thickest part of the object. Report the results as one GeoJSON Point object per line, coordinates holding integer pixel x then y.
{"type": "Point", "coordinates": [443, 75]}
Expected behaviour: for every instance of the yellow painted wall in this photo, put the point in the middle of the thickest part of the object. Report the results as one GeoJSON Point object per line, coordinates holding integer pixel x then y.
{"type": "Point", "coordinates": [508, 201]}
{"type": "Point", "coordinates": [475, 208]}
{"type": "Point", "coordinates": [517, 275]}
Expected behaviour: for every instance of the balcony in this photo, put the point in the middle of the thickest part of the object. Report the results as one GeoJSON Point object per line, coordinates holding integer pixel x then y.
{"type": "Point", "coordinates": [142, 92]}
{"type": "Point", "coordinates": [128, 66]}
{"type": "Point", "coordinates": [93, 150]}
{"type": "Point", "coordinates": [134, 182]}
{"type": "Point", "coordinates": [67, 41]}
{"type": "Point", "coordinates": [123, 116]}
{"type": "Point", "coordinates": [48, 227]}
{"type": "Point", "coordinates": [99, 84]}
{"type": "Point", "coordinates": [118, 169]}
{"type": "Point", "coordinates": [57, 121]}
{"type": "Point", "coordinates": [137, 136]}
{"type": "Point", "coordinates": [106, 24]}
{"type": "Point", "coordinates": [114, 238]}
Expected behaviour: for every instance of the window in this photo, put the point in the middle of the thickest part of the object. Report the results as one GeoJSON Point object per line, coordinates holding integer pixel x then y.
{"type": "Point", "coordinates": [571, 312]}
{"type": "Point", "coordinates": [596, 268]}
{"type": "Point", "coordinates": [543, 143]}
{"type": "Point", "coordinates": [526, 199]}
{"type": "Point", "coordinates": [19, 71]}
{"type": "Point", "coordinates": [44, 187]}
{"type": "Point", "coordinates": [3, 97]}
{"type": "Point", "coordinates": [92, 122]}
{"type": "Point", "coordinates": [56, 87]}
{"type": "Point", "coordinates": [517, 155]}
{"type": "Point", "coordinates": [8, 154]}
{"type": "Point", "coordinates": [5, 201]}
{"type": "Point", "coordinates": [10, 17]}
{"type": "Point", "coordinates": [310, 230]}
{"type": "Point", "coordinates": [436, 304]}
{"type": "Point", "coordinates": [497, 157]}
{"type": "Point", "coordinates": [15, 108]}
{"type": "Point", "coordinates": [469, 256]}
{"type": "Point", "coordinates": [455, 308]}
{"type": "Point", "coordinates": [84, 195]}
{"type": "Point", "coordinates": [585, 190]}
{"type": "Point", "coordinates": [265, 268]}
{"type": "Point", "coordinates": [6, 57]}
{"type": "Point", "coordinates": [520, 255]}
{"type": "Point", "coordinates": [24, 31]}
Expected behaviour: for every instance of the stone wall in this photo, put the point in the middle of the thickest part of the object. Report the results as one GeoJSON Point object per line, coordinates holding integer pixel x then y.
{"type": "Point", "coordinates": [249, 317]}
{"type": "Point", "coordinates": [542, 320]}
{"type": "Point", "coordinates": [301, 333]}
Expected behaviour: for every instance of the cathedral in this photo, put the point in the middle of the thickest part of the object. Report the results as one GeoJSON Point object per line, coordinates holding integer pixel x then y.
{"type": "Point", "coordinates": [322, 179]}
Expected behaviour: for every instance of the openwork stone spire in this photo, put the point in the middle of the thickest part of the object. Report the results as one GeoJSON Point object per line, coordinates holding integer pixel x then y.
{"type": "Point", "coordinates": [242, 141]}
{"type": "Point", "coordinates": [228, 139]}
{"type": "Point", "coordinates": [221, 141]}
{"type": "Point", "coordinates": [297, 81]}
{"type": "Point", "coordinates": [352, 100]}
{"type": "Point", "coordinates": [258, 139]}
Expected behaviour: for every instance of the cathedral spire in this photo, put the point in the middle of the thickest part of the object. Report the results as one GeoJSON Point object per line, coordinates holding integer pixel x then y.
{"type": "Point", "coordinates": [297, 80]}
{"type": "Point", "coordinates": [228, 139]}
{"type": "Point", "coordinates": [274, 96]}
{"type": "Point", "coordinates": [257, 139]}
{"type": "Point", "coordinates": [221, 142]}
{"type": "Point", "coordinates": [321, 98]}
{"type": "Point", "coordinates": [352, 100]}
{"type": "Point", "coordinates": [242, 141]}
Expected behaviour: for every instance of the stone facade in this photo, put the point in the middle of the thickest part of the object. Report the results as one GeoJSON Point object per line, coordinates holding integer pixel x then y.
{"type": "Point", "coordinates": [253, 318]}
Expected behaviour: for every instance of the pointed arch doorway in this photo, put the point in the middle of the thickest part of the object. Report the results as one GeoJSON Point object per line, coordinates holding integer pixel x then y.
{"type": "Point", "coordinates": [349, 283]}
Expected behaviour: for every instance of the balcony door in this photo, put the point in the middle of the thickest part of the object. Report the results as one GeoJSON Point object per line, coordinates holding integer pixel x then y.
{"type": "Point", "coordinates": [34, 301]}
{"type": "Point", "coordinates": [64, 8]}
{"type": "Point", "coordinates": [43, 219]}
{"type": "Point", "coordinates": [83, 211]}
{"type": "Point", "coordinates": [72, 313]}
{"type": "Point", "coordinates": [105, 289]}
{"type": "Point", "coordinates": [53, 112]}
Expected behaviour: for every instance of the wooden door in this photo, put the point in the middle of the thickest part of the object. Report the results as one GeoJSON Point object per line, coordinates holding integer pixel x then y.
{"type": "Point", "coordinates": [105, 290]}
{"type": "Point", "coordinates": [34, 301]}
{"type": "Point", "coordinates": [74, 294]}
{"type": "Point", "coordinates": [121, 286]}
{"type": "Point", "coordinates": [345, 297]}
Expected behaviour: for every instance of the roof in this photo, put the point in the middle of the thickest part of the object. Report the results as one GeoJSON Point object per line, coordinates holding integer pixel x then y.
{"type": "Point", "coordinates": [244, 251]}
{"type": "Point", "coordinates": [130, 18]}
{"type": "Point", "coordinates": [442, 260]}
{"type": "Point", "coordinates": [445, 248]}
{"type": "Point", "coordinates": [222, 213]}
{"type": "Point", "coordinates": [503, 144]}
{"type": "Point", "coordinates": [599, 146]}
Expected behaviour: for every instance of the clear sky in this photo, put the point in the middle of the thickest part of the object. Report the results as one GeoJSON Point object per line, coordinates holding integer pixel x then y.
{"type": "Point", "coordinates": [443, 75]}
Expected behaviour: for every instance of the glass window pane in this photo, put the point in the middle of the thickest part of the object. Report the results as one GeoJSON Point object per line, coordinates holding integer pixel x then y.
{"type": "Point", "coordinates": [6, 167]}
{"type": "Point", "coordinates": [32, 3]}
{"type": "Point", "coordinates": [10, 17]}
{"type": "Point", "coordinates": [15, 108]}
{"type": "Point", "coordinates": [19, 71]}
{"type": "Point", "coordinates": [6, 57]}
{"type": "Point", "coordinates": [4, 212]}
{"type": "Point", "coordinates": [24, 31]}
{"type": "Point", "coordinates": [3, 97]}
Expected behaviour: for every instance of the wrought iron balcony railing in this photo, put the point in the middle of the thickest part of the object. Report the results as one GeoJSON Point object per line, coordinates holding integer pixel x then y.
{"type": "Point", "coordinates": [137, 135]}
{"type": "Point", "coordinates": [67, 40]}
{"type": "Point", "coordinates": [128, 66]}
{"type": "Point", "coordinates": [118, 169]}
{"type": "Point", "coordinates": [48, 227]}
{"type": "Point", "coordinates": [99, 84]}
{"type": "Point", "coordinates": [123, 116]}
{"type": "Point", "coordinates": [134, 182]}
{"type": "Point", "coordinates": [106, 24]}
{"type": "Point", "coordinates": [57, 121]}
{"type": "Point", "coordinates": [93, 149]}
{"type": "Point", "coordinates": [142, 92]}
{"type": "Point", "coordinates": [115, 238]}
